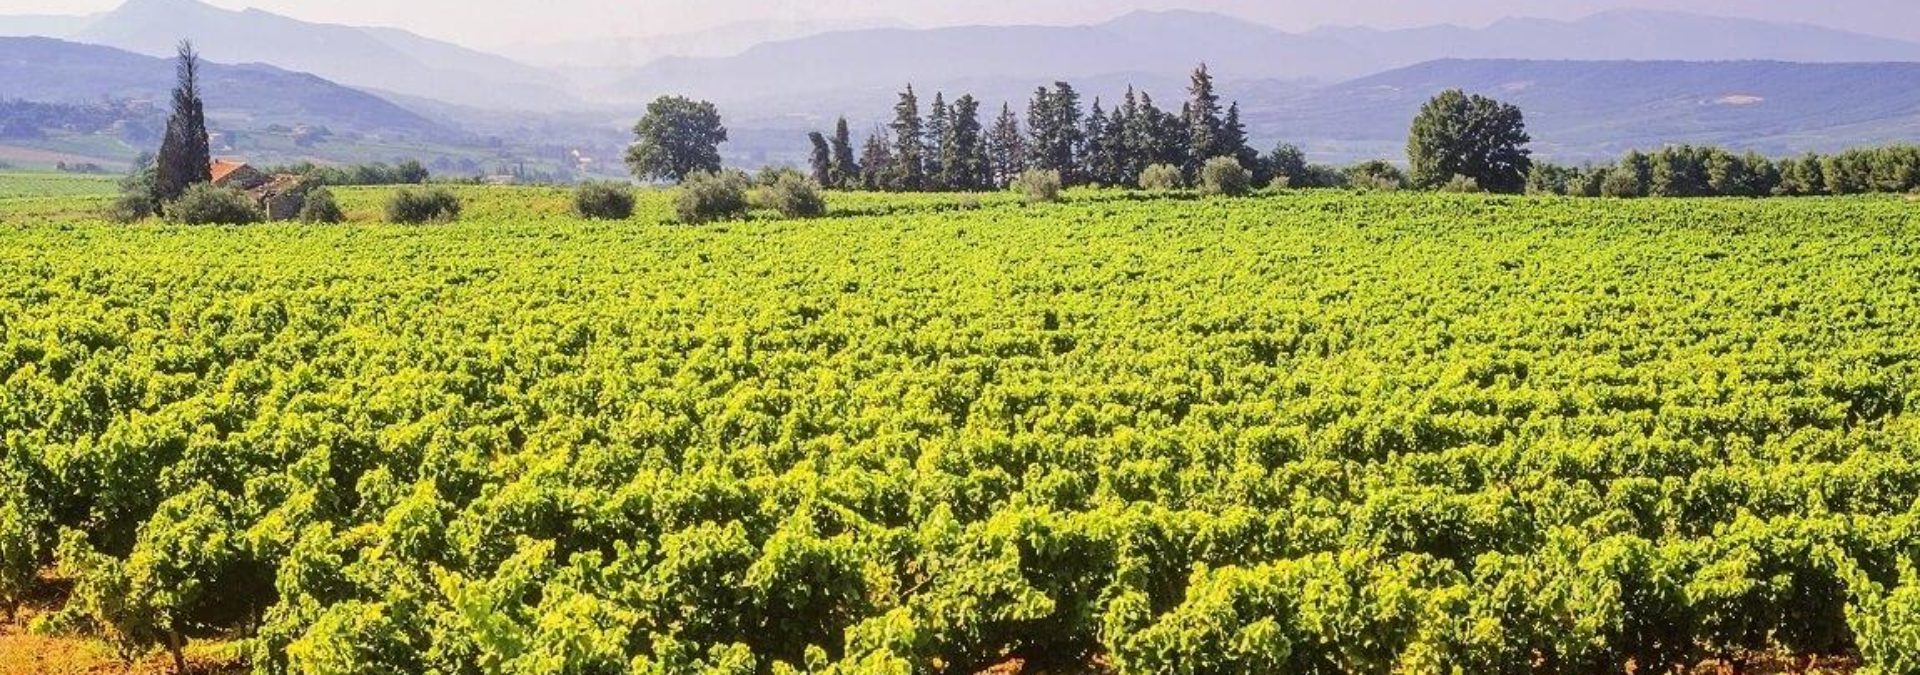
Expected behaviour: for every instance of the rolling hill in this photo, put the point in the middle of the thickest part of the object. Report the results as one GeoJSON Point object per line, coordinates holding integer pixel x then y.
{"type": "Point", "coordinates": [380, 59]}
{"type": "Point", "coordinates": [241, 96]}
{"type": "Point", "coordinates": [1166, 44]}
{"type": "Point", "coordinates": [1595, 110]}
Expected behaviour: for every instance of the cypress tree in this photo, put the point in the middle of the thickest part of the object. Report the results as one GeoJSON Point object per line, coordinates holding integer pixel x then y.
{"type": "Point", "coordinates": [822, 161]}
{"type": "Point", "coordinates": [846, 171]}
{"type": "Point", "coordinates": [185, 157]}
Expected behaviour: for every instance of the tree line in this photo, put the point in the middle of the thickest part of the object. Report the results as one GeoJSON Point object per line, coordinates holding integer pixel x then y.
{"type": "Point", "coordinates": [953, 147]}
{"type": "Point", "coordinates": [1457, 142]}
{"type": "Point", "coordinates": [1694, 171]}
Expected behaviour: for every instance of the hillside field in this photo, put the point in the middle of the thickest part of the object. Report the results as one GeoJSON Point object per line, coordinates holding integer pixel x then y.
{"type": "Point", "coordinates": [1316, 432]}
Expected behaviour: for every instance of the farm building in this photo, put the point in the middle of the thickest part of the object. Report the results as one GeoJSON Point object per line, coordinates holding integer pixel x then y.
{"type": "Point", "coordinates": [280, 197]}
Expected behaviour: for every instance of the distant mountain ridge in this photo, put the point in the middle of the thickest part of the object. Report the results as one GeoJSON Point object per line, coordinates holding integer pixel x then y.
{"type": "Point", "coordinates": [57, 71]}
{"type": "Point", "coordinates": [1596, 110]}
{"type": "Point", "coordinates": [381, 59]}
{"type": "Point", "coordinates": [1170, 42]}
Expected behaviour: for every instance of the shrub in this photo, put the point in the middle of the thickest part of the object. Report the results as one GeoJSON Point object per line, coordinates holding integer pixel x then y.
{"type": "Point", "coordinates": [707, 196]}
{"type": "Point", "coordinates": [603, 201]}
{"type": "Point", "coordinates": [772, 175]}
{"type": "Point", "coordinates": [1461, 185]}
{"type": "Point", "coordinates": [320, 207]}
{"type": "Point", "coordinates": [794, 196]}
{"type": "Point", "coordinates": [1038, 185]}
{"type": "Point", "coordinates": [1376, 175]}
{"type": "Point", "coordinates": [1161, 178]}
{"type": "Point", "coordinates": [1225, 176]}
{"type": "Point", "coordinates": [204, 204]}
{"type": "Point", "coordinates": [415, 207]}
{"type": "Point", "coordinates": [1622, 183]}
{"type": "Point", "coordinates": [131, 207]}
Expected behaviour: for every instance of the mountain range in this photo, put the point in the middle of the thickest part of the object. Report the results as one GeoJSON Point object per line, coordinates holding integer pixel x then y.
{"type": "Point", "coordinates": [237, 96]}
{"type": "Point", "coordinates": [377, 59]}
{"type": "Point", "coordinates": [1596, 110]}
{"type": "Point", "coordinates": [1591, 87]}
{"type": "Point", "coordinates": [1168, 43]}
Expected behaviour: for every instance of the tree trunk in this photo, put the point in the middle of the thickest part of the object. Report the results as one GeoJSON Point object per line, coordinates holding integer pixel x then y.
{"type": "Point", "coordinates": [178, 647]}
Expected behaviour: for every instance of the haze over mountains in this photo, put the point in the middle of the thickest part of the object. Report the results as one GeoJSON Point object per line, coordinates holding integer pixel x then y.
{"type": "Point", "coordinates": [380, 59]}
{"type": "Point", "coordinates": [1168, 43]}
{"type": "Point", "coordinates": [1343, 92]}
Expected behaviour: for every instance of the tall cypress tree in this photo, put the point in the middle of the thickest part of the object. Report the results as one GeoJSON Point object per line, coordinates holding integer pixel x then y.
{"type": "Point", "coordinates": [1006, 147]}
{"type": "Point", "coordinates": [908, 165]}
{"type": "Point", "coordinates": [821, 162]}
{"type": "Point", "coordinates": [846, 171]}
{"type": "Point", "coordinates": [1202, 114]}
{"type": "Point", "coordinates": [938, 123]}
{"type": "Point", "coordinates": [185, 157]}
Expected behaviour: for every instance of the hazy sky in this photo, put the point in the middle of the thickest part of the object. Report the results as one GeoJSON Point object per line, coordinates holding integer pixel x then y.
{"type": "Point", "coordinates": [501, 22]}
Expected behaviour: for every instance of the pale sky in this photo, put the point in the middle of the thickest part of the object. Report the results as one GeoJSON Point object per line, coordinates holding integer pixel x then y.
{"type": "Point", "coordinates": [502, 22]}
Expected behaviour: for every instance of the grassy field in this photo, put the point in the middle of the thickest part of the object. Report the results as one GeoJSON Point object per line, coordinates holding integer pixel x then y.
{"type": "Point", "coordinates": [1306, 433]}
{"type": "Point", "coordinates": [26, 185]}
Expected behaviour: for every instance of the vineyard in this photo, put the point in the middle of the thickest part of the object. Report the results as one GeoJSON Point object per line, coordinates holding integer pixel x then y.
{"type": "Point", "coordinates": [1307, 433]}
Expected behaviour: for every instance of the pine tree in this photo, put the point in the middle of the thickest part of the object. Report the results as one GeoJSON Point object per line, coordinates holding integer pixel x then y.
{"type": "Point", "coordinates": [1053, 121]}
{"type": "Point", "coordinates": [963, 149]}
{"type": "Point", "coordinates": [1006, 147]}
{"type": "Point", "coordinates": [846, 171]}
{"type": "Point", "coordinates": [1205, 133]}
{"type": "Point", "coordinates": [876, 162]}
{"type": "Point", "coordinates": [1165, 134]}
{"type": "Point", "coordinates": [185, 157]}
{"type": "Point", "coordinates": [908, 165]}
{"type": "Point", "coordinates": [1118, 153]}
{"type": "Point", "coordinates": [821, 162]}
{"type": "Point", "coordinates": [1233, 143]}
{"type": "Point", "coordinates": [938, 123]}
{"type": "Point", "coordinates": [1097, 158]}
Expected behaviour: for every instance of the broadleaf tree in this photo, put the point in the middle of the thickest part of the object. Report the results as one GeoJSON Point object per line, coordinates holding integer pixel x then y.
{"type": "Point", "coordinates": [676, 138]}
{"type": "Point", "coordinates": [1457, 134]}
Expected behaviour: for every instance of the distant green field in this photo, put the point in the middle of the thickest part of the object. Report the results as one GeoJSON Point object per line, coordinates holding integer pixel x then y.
{"type": "Point", "coordinates": [40, 185]}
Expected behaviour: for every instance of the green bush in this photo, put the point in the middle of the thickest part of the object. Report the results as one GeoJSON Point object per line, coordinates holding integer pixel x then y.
{"type": "Point", "coordinates": [603, 201]}
{"type": "Point", "coordinates": [772, 175]}
{"type": "Point", "coordinates": [1462, 185]}
{"type": "Point", "coordinates": [709, 196]}
{"type": "Point", "coordinates": [1225, 176]}
{"type": "Point", "coordinates": [794, 196]}
{"type": "Point", "coordinates": [415, 207]}
{"type": "Point", "coordinates": [1376, 176]}
{"type": "Point", "coordinates": [1161, 178]}
{"type": "Point", "coordinates": [204, 204]}
{"type": "Point", "coordinates": [320, 207]}
{"type": "Point", "coordinates": [130, 207]}
{"type": "Point", "coordinates": [1038, 185]}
